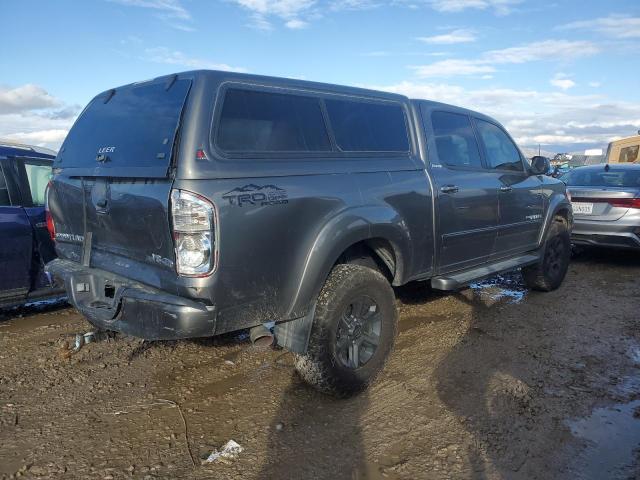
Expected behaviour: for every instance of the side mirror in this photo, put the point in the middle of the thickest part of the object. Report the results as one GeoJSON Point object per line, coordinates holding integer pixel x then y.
{"type": "Point", "coordinates": [540, 165]}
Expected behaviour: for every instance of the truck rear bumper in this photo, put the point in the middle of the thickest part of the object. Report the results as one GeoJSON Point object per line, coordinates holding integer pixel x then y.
{"type": "Point", "coordinates": [112, 302]}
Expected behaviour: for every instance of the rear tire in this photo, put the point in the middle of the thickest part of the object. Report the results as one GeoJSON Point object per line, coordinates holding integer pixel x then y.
{"type": "Point", "coordinates": [353, 332]}
{"type": "Point", "coordinates": [548, 274]}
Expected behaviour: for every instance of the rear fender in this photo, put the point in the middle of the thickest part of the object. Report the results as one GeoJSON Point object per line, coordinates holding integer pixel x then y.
{"type": "Point", "coordinates": [346, 229]}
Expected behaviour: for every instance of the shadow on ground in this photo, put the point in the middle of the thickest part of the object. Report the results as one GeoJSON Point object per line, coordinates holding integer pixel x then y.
{"type": "Point", "coordinates": [321, 434]}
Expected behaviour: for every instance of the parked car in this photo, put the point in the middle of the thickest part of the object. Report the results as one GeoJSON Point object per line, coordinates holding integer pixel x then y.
{"type": "Point", "coordinates": [25, 244]}
{"type": "Point", "coordinates": [606, 205]}
{"type": "Point", "coordinates": [206, 202]}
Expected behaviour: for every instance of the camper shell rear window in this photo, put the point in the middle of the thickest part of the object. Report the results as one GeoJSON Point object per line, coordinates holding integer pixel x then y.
{"type": "Point", "coordinates": [127, 131]}
{"type": "Point", "coordinates": [264, 122]}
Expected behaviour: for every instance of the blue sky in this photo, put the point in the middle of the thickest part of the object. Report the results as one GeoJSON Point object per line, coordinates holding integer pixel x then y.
{"type": "Point", "coordinates": [564, 74]}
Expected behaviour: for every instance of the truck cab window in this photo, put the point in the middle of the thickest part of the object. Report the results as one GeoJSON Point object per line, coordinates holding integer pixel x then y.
{"type": "Point", "coordinates": [455, 141]}
{"type": "Point", "coordinates": [500, 151]}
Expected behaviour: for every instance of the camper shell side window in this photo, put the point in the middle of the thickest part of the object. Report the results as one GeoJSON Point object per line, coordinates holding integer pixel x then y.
{"type": "Point", "coordinates": [257, 121]}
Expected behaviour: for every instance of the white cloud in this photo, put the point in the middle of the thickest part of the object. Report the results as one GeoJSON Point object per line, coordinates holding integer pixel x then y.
{"type": "Point", "coordinates": [562, 81]}
{"type": "Point", "coordinates": [176, 57]}
{"type": "Point", "coordinates": [29, 114]}
{"type": "Point", "coordinates": [299, 12]}
{"type": "Point", "coordinates": [455, 36]}
{"type": "Point", "coordinates": [40, 138]}
{"type": "Point", "coordinates": [615, 26]}
{"type": "Point", "coordinates": [486, 62]}
{"type": "Point", "coordinates": [595, 84]}
{"type": "Point", "coordinates": [557, 120]}
{"type": "Point", "coordinates": [25, 97]}
{"type": "Point", "coordinates": [450, 68]}
{"type": "Point", "coordinates": [170, 11]}
{"type": "Point", "coordinates": [289, 11]}
{"type": "Point", "coordinates": [547, 49]}
{"type": "Point", "coordinates": [296, 24]}
{"type": "Point", "coordinates": [500, 7]}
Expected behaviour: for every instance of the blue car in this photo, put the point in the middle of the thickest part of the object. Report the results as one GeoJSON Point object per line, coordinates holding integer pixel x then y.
{"type": "Point", "coordinates": [26, 244]}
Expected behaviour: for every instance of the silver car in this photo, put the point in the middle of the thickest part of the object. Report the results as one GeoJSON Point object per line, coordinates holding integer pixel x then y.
{"type": "Point", "coordinates": [606, 205]}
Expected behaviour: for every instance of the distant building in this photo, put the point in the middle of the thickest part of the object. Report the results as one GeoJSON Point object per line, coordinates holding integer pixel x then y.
{"type": "Point", "coordinates": [593, 151]}
{"type": "Point", "coordinates": [625, 150]}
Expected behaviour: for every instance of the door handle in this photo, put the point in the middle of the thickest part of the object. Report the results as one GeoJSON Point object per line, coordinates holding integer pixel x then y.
{"type": "Point", "coordinates": [506, 188]}
{"type": "Point", "coordinates": [449, 189]}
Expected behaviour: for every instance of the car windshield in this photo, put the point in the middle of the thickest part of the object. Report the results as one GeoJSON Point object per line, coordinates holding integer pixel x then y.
{"type": "Point", "coordinates": [602, 178]}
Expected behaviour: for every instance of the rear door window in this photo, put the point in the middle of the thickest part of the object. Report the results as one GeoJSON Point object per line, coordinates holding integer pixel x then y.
{"type": "Point", "coordinates": [256, 121]}
{"type": "Point", "coordinates": [455, 141]}
{"type": "Point", "coordinates": [501, 153]}
{"type": "Point", "coordinates": [5, 200]}
{"type": "Point", "coordinates": [38, 176]}
{"type": "Point", "coordinates": [368, 127]}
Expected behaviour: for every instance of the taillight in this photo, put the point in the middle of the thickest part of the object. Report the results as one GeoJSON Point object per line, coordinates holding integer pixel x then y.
{"type": "Point", "coordinates": [614, 202]}
{"type": "Point", "coordinates": [625, 202]}
{"type": "Point", "coordinates": [49, 219]}
{"type": "Point", "coordinates": [193, 219]}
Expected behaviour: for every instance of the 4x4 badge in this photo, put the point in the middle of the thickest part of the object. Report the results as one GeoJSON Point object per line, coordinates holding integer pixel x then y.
{"type": "Point", "coordinates": [253, 194]}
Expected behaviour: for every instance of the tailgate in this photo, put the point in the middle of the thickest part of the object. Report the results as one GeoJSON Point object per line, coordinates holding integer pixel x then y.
{"type": "Point", "coordinates": [119, 225]}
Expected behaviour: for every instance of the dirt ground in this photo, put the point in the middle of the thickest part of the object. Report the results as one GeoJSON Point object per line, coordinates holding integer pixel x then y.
{"type": "Point", "coordinates": [492, 382]}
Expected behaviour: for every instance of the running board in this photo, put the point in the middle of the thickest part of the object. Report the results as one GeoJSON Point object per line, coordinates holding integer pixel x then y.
{"type": "Point", "coordinates": [456, 280]}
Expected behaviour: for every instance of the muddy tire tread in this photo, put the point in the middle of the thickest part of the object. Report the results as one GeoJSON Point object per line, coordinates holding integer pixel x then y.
{"type": "Point", "coordinates": [317, 366]}
{"type": "Point", "coordinates": [534, 275]}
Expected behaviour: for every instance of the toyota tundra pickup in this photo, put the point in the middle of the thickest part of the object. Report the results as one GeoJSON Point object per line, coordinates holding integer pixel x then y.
{"type": "Point", "coordinates": [206, 202]}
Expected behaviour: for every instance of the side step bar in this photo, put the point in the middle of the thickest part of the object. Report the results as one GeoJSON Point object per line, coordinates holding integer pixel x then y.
{"type": "Point", "coordinates": [456, 280]}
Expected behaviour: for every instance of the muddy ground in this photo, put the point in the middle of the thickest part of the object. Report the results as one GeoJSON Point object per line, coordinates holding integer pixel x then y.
{"type": "Point", "coordinates": [492, 382]}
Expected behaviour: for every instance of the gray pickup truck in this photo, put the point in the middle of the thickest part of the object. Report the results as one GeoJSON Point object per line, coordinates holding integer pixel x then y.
{"type": "Point", "coordinates": [207, 202]}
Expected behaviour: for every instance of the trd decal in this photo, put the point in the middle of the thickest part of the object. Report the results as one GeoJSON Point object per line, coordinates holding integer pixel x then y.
{"type": "Point", "coordinates": [160, 260]}
{"type": "Point", "coordinates": [256, 195]}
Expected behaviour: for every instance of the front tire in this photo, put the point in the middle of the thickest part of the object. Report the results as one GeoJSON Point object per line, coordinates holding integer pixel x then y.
{"type": "Point", "coordinates": [548, 274]}
{"type": "Point", "coordinates": [353, 333]}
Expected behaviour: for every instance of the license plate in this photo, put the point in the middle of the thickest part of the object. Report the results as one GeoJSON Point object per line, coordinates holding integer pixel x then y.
{"type": "Point", "coordinates": [582, 208]}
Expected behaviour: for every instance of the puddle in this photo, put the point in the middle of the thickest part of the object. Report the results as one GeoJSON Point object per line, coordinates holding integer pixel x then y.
{"type": "Point", "coordinates": [509, 287]}
{"type": "Point", "coordinates": [612, 434]}
{"type": "Point", "coordinates": [24, 321]}
{"type": "Point", "coordinates": [219, 388]}
{"type": "Point", "coordinates": [383, 467]}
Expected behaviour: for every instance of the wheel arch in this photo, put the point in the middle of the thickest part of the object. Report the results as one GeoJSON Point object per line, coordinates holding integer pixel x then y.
{"type": "Point", "coordinates": [559, 206]}
{"type": "Point", "coordinates": [378, 234]}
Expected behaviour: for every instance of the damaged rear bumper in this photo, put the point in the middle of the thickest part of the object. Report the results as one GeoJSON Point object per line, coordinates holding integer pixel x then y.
{"type": "Point", "coordinates": [112, 302]}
